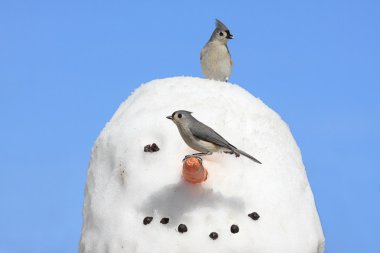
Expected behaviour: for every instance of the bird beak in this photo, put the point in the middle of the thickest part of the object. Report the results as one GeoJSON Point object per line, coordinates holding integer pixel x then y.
{"type": "Point", "coordinates": [169, 117]}
{"type": "Point", "coordinates": [230, 36]}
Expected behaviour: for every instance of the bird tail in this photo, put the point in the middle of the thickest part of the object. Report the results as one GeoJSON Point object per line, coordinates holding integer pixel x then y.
{"type": "Point", "coordinates": [241, 152]}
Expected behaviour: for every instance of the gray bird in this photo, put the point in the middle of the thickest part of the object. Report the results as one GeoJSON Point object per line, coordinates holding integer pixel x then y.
{"type": "Point", "coordinates": [203, 138]}
{"type": "Point", "coordinates": [215, 57]}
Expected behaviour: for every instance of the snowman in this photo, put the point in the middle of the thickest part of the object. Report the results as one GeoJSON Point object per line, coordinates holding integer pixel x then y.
{"type": "Point", "coordinates": [142, 195]}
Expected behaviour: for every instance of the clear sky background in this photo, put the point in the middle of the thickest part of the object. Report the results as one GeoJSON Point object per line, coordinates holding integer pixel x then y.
{"type": "Point", "coordinates": [65, 67]}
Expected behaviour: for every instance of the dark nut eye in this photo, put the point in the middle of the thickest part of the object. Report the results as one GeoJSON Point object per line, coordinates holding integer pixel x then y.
{"type": "Point", "coordinates": [221, 34]}
{"type": "Point", "coordinates": [179, 115]}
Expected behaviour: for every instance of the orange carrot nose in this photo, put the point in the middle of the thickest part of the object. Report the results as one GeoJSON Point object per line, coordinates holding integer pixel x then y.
{"type": "Point", "coordinates": [193, 170]}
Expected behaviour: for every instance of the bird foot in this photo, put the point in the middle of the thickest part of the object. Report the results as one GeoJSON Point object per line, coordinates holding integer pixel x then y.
{"type": "Point", "coordinates": [196, 156]}
{"type": "Point", "coordinates": [232, 153]}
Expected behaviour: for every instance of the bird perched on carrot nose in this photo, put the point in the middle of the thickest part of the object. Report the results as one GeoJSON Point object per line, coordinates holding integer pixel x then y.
{"type": "Point", "coordinates": [215, 57]}
{"type": "Point", "coordinates": [202, 138]}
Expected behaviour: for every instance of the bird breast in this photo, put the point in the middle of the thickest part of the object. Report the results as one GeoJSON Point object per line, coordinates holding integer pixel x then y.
{"type": "Point", "coordinates": [216, 62]}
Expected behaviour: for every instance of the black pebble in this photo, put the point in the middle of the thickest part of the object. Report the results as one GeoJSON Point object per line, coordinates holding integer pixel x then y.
{"type": "Point", "coordinates": [154, 147]}
{"type": "Point", "coordinates": [147, 220]}
{"type": "Point", "coordinates": [148, 148]}
{"type": "Point", "coordinates": [164, 221]}
{"type": "Point", "coordinates": [234, 229]}
{"type": "Point", "coordinates": [182, 228]}
{"type": "Point", "coordinates": [254, 216]}
{"type": "Point", "coordinates": [213, 235]}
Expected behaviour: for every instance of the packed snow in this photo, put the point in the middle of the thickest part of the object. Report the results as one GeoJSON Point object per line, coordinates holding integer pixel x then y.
{"type": "Point", "coordinates": [125, 185]}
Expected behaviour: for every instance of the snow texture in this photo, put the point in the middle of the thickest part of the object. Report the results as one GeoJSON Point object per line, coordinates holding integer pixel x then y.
{"type": "Point", "coordinates": [126, 184]}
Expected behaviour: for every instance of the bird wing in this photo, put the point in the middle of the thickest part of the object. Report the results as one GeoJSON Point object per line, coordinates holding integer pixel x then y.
{"type": "Point", "coordinates": [229, 54]}
{"type": "Point", "coordinates": [205, 133]}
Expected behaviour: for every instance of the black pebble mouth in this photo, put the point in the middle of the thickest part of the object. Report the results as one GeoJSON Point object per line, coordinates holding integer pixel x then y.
{"type": "Point", "coordinates": [213, 235]}
{"type": "Point", "coordinates": [254, 216]}
{"type": "Point", "coordinates": [164, 221]}
{"type": "Point", "coordinates": [147, 220]}
{"type": "Point", "coordinates": [182, 228]}
{"type": "Point", "coordinates": [234, 229]}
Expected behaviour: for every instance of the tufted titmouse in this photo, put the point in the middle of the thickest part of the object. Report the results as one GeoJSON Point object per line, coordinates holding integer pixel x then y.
{"type": "Point", "coordinates": [201, 137]}
{"type": "Point", "coordinates": [215, 57]}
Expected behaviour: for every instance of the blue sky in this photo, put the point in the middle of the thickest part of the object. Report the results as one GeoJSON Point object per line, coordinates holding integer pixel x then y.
{"type": "Point", "coordinates": [65, 67]}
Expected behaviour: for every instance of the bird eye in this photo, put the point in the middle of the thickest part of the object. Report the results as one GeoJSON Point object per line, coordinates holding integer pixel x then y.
{"type": "Point", "coordinates": [221, 34]}
{"type": "Point", "coordinates": [179, 115]}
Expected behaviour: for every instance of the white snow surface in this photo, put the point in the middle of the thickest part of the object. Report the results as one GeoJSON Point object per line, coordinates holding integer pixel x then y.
{"type": "Point", "coordinates": [126, 184]}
